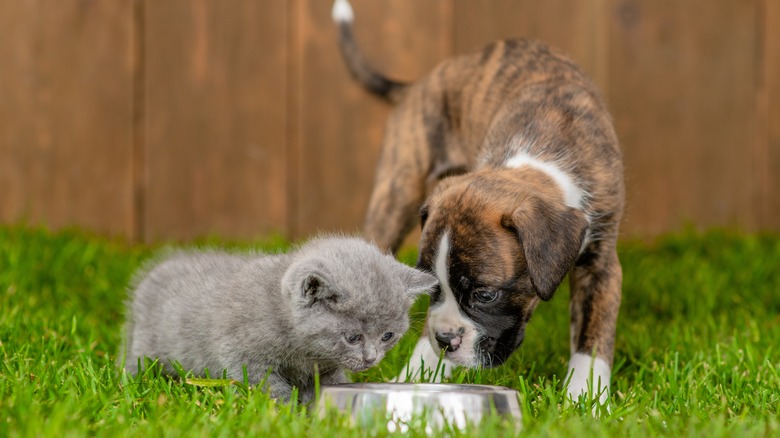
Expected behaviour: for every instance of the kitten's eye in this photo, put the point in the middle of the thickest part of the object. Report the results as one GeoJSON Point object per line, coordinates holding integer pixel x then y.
{"type": "Point", "coordinates": [387, 336]}
{"type": "Point", "coordinates": [485, 295]}
{"type": "Point", "coordinates": [352, 339]}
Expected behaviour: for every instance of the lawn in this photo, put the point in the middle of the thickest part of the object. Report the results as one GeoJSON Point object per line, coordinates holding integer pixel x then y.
{"type": "Point", "coordinates": [697, 354]}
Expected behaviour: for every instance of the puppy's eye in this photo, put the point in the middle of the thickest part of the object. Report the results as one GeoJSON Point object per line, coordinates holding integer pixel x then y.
{"type": "Point", "coordinates": [423, 216]}
{"type": "Point", "coordinates": [436, 294]}
{"type": "Point", "coordinates": [352, 339]}
{"type": "Point", "coordinates": [387, 336]}
{"type": "Point", "coordinates": [485, 295]}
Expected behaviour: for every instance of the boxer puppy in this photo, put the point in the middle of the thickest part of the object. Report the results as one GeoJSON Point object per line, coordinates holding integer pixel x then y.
{"type": "Point", "coordinates": [518, 157]}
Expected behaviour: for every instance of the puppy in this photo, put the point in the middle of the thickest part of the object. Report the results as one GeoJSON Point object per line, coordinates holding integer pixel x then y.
{"type": "Point", "coordinates": [518, 157]}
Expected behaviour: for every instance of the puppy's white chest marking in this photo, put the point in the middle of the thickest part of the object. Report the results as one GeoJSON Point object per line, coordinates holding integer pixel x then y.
{"type": "Point", "coordinates": [572, 195]}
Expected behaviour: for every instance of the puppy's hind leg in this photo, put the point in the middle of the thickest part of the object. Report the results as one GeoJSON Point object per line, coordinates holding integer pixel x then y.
{"type": "Point", "coordinates": [400, 184]}
{"type": "Point", "coordinates": [392, 212]}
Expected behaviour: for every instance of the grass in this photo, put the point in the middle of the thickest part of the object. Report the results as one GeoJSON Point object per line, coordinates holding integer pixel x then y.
{"type": "Point", "coordinates": [697, 351]}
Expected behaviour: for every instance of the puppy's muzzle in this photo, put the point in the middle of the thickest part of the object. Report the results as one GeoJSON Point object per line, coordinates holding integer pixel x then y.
{"type": "Point", "coordinates": [448, 341]}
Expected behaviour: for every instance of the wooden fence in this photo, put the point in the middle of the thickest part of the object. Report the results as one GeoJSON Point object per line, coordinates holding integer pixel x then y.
{"type": "Point", "coordinates": [169, 119]}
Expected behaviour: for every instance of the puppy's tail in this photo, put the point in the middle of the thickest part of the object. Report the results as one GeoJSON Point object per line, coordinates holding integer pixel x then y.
{"type": "Point", "coordinates": [369, 78]}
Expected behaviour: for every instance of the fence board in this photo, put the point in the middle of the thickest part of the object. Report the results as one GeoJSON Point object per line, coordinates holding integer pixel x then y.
{"type": "Point", "coordinates": [576, 27]}
{"type": "Point", "coordinates": [215, 118]}
{"type": "Point", "coordinates": [770, 209]}
{"type": "Point", "coordinates": [65, 113]}
{"type": "Point", "coordinates": [340, 124]}
{"type": "Point", "coordinates": [682, 95]}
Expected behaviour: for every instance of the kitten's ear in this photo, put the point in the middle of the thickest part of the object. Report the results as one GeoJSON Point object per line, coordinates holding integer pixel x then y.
{"type": "Point", "coordinates": [417, 282]}
{"type": "Point", "coordinates": [316, 288]}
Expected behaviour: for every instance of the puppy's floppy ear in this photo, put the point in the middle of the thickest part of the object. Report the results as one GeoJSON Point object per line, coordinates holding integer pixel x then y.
{"type": "Point", "coordinates": [551, 240]}
{"type": "Point", "coordinates": [316, 288]}
{"type": "Point", "coordinates": [415, 281]}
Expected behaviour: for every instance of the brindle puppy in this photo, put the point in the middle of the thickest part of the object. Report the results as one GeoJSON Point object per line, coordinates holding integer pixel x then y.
{"type": "Point", "coordinates": [528, 183]}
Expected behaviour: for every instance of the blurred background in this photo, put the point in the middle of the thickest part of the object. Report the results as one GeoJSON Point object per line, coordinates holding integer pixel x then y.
{"type": "Point", "coordinates": [176, 119]}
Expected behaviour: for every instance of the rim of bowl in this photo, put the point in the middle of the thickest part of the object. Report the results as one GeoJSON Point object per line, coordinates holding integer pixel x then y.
{"type": "Point", "coordinates": [426, 388]}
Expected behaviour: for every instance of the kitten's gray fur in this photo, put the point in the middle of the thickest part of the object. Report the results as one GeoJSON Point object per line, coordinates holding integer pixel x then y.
{"type": "Point", "coordinates": [286, 312]}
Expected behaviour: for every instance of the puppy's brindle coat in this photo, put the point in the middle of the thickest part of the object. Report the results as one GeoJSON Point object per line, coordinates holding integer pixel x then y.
{"type": "Point", "coordinates": [525, 179]}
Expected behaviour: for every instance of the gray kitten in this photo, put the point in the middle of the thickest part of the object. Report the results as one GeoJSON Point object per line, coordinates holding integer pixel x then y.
{"type": "Point", "coordinates": [335, 302]}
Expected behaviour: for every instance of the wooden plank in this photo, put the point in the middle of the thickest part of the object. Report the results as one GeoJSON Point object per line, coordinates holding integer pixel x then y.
{"type": "Point", "coordinates": [768, 163]}
{"type": "Point", "coordinates": [682, 96]}
{"type": "Point", "coordinates": [340, 124]}
{"type": "Point", "coordinates": [576, 27]}
{"type": "Point", "coordinates": [215, 118]}
{"type": "Point", "coordinates": [66, 114]}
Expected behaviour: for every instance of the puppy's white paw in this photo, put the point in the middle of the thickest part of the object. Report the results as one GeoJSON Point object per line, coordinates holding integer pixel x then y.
{"type": "Point", "coordinates": [425, 365]}
{"type": "Point", "coordinates": [590, 376]}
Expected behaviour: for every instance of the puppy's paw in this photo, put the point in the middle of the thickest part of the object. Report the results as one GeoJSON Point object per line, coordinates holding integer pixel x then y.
{"type": "Point", "coordinates": [425, 365]}
{"type": "Point", "coordinates": [589, 376]}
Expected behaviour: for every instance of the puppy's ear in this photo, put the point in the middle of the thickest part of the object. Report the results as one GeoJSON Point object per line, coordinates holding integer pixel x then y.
{"type": "Point", "coordinates": [551, 240]}
{"type": "Point", "coordinates": [315, 288]}
{"type": "Point", "coordinates": [416, 282]}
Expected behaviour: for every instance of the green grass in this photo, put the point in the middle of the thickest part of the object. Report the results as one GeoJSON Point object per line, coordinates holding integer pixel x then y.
{"type": "Point", "coordinates": [697, 351]}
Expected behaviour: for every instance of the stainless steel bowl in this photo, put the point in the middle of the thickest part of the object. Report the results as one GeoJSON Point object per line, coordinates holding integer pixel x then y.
{"type": "Point", "coordinates": [439, 404]}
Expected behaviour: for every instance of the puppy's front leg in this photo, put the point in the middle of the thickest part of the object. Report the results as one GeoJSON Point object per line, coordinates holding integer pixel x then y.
{"type": "Point", "coordinates": [426, 364]}
{"type": "Point", "coordinates": [595, 299]}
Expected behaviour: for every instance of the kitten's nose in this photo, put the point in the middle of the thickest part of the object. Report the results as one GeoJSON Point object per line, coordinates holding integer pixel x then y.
{"type": "Point", "coordinates": [369, 355]}
{"type": "Point", "coordinates": [448, 341]}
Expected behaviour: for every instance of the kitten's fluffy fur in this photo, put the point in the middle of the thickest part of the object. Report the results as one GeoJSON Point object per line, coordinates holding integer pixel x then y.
{"type": "Point", "coordinates": [332, 302]}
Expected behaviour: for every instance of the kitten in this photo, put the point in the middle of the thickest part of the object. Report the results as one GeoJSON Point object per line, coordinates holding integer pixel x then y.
{"type": "Point", "coordinates": [335, 303]}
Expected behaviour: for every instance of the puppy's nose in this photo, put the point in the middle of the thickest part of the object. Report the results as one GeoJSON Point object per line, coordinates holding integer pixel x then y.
{"type": "Point", "coordinates": [448, 341]}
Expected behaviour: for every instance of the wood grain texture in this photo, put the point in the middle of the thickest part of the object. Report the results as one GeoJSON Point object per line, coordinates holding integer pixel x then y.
{"type": "Point", "coordinates": [340, 124]}
{"type": "Point", "coordinates": [215, 118]}
{"type": "Point", "coordinates": [576, 27]}
{"type": "Point", "coordinates": [681, 88]}
{"type": "Point", "coordinates": [182, 118]}
{"type": "Point", "coordinates": [768, 163]}
{"type": "Point", "coordinates": [66, 114]}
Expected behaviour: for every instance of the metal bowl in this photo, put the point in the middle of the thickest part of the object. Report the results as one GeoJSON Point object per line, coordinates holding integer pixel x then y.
{"type": "Point", "coordinates": [439, 404]}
